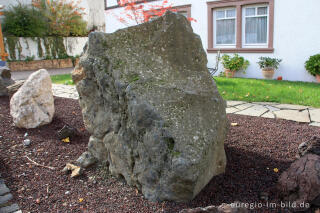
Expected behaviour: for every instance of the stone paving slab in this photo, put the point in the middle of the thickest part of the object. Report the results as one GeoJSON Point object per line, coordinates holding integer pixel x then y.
{"type": "Point", "coordinates": [255, 110]}
{"type": "Point", "coordinates": [244, 106]}
{"type": "Point", "coordinates": [293, 115]}
{"type": "Point", "coordinates": [317, 124]}
{"type": "Point", "coordinates": [230, 110]}
{"type": "Point", "coordinates": [266, 103]}
{"type": "Point", "coordinates": [315, 115]}
{"type": "Point", "coordinates": [234, 103]}
{"type": "Point", "coordinates": [291, 106]}
{"type": "Point", "coordinates": [272, 108]}
{"type": "Point", "coordinates": [65, 91]}
{"type": "Point", "coordinates": [268, 115]}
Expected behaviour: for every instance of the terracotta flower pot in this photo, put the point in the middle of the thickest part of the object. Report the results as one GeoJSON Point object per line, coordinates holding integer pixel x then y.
{"type": "Point", "coordinates": [318, 78]}
{"type": "Point", "coordinates": [229, 73]}
{"type": "Point", "coordinates": [268, 73]}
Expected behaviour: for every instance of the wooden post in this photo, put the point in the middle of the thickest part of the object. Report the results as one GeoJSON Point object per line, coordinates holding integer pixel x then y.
{"type": "Point", "coordinates": [3, 53]}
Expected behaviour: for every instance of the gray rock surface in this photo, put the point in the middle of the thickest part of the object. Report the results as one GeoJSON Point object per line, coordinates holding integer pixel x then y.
{"type": "Point", "coordinates": [33, 104]}
{"type": "Point", "coordinates": [310, 147]}
{"type": "Point", "coordinates": [301, 182]}
{"type": "Point", "coordinates": [5, 80]}
{"type": "Point", "coordinates": [152, 108]}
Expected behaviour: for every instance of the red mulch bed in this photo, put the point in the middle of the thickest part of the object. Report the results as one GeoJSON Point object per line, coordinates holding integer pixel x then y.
{"type": "Point", "coordinates": [254, 148]}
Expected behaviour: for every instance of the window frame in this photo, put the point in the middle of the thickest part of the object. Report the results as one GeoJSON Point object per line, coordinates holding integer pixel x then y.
{"type": "Point", "coordinates": [215, 28]}
{"type": "Point", "coordinates": [256, 6]}
{"type": "Point", "coordinates": [239, 5]}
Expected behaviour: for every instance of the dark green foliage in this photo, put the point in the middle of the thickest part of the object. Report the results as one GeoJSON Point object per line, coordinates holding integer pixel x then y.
{"type": "Point", "coordinates": [267, 62]}
{"type": "Point", "coordinates": [313, 65]}
{"type": "Point", "coordinates": [24, 21]}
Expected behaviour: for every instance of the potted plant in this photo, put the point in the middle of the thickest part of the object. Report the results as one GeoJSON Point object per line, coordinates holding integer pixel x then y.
{"type": "Point", "coordinates": [268, 66]}
{"type": "Point", "coordinates": [233, 64]}
{"type": "Point", "coordinates": [313, 66]}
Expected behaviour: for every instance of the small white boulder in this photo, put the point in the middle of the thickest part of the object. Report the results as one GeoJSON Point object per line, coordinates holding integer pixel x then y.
{"type": "Point", "coordinates": [33, 104]}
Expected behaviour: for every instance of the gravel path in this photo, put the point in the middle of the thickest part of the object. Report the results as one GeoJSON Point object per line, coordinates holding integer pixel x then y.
{"type": "Point", "coordinates": [254, 147]}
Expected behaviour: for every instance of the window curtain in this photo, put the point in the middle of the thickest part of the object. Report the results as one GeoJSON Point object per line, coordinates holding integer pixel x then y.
{"type": "Point", "coordinates": [256, 30]}
{"type": "Point", "coordinates": [226, 31]}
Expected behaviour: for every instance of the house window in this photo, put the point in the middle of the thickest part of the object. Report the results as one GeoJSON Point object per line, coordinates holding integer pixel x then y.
{"type": "Point", "coordinates": [255, 30]}
{"type": "Point", "coordinates": [240, 26]}
{"type": "Point", "coordinates": [225, 27]}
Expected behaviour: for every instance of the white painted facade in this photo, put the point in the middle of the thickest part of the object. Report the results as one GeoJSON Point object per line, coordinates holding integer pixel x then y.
{"type": "Point", "coordinates": [295, 38]}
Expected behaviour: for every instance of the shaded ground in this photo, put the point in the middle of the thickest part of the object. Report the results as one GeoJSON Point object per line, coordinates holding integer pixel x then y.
{"type": "Point", "coordinates": [254, 148]}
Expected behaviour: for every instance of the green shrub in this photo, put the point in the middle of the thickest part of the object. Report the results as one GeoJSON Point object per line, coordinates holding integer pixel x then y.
{"type": "Point", "coordinates": [312, 65]}
{"type": "Point", "coordinates": [24, 21]}
{"type": "Point", "coordinates": [267, 62]}
{"type": "Point", "coordinates": [234, 63]}
{"type": "Point", "coordinates": [64, 18]}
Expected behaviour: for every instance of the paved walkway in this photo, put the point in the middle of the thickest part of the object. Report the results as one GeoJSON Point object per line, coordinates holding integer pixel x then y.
{"type": "Point", "coordinates": [5, 197]}
{"type": "Point", "coordinates": [22, 75]}
{"type": "Point", "coordinates": [296, 113]}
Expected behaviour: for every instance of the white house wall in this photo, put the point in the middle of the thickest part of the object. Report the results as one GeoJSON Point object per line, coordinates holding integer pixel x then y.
{"type": "Point", "coordinates": [296, 35]}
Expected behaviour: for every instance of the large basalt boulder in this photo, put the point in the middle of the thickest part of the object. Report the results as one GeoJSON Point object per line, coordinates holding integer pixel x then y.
{"type": "Point", "coordinates": [5, 80]}
{"type": "Point", "coordinates": [301, 182]}
{"type": "Point", "coordinates": [153, 109]}
{"type": "Point", "coordinates": [33, 104]}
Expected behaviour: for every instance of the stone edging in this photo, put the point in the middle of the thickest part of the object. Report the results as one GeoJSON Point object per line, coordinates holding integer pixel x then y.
{"type": "Point", "coordinates": [5, 197]}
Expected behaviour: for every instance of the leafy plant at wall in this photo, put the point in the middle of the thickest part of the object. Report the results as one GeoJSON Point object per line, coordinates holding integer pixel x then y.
{"type": "Point", "coordinates": [64, 18]}
{"type": "Point", "coordinates": [54, 47]}
{"type": "Point", "coordinates": [24, 21]}
{"type": "Point", "coordinates": [312, 65]}
{"type": "Point", "coordinates": [13, 44]}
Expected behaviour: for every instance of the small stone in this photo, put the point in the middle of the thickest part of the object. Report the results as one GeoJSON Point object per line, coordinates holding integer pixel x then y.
{"type": "Point", "coordinates": [264, 196]}
{"type": "Point", "coordinates": [27, 142]}
{"type": "Point", "coordinates": [67, 193]}
{"type": "Point", "coordinates": [66, 132]}
{"type": "Point", "coordinates": [5, 198]}
{"type": "Point", "coordinates": [4, 189]}
{"type": "Point", "coordinates": [8, 209]}
{"type": "Point", "coordinates": [75, 170]}
{"type": "Point", "coordinates": [5, 80]}
{"type": "Point", "coordinates": [25, 135]}
{"type": "Point", "coordinates": [86, 159]}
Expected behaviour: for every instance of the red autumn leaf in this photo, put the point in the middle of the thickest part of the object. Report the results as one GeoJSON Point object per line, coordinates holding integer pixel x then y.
{"type": "Point", "coordinates": [192, 19]}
